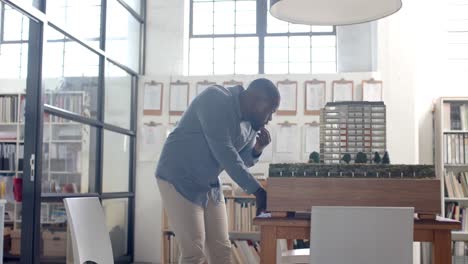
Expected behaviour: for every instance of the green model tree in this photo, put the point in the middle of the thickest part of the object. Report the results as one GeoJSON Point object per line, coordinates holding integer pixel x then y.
{"type": "Point", "coordinates": [386, 158]}
{"type": "Point", "coordinates": [314, 157]}
{"type": "Point", "coordinates": [346, 158]}
{"type": "Point", "coordinates": [361, 158]}
{"type": "Point", "coordinates": [377, 158]}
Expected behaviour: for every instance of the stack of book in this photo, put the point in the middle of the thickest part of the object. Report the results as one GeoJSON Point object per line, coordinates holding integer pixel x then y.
{"type": "Point", "coordinates": [240, 214]}
{"type": "Point", "coordinates": [456, 185]}
{"type": "Point", "coordinates": [456, 148]}
{"type": "Point", "coordinates": [245, 252]}
{"type": "Point", "coordinates": [456, 116]}
{"type": "Point", "coordinates": [8, 109]}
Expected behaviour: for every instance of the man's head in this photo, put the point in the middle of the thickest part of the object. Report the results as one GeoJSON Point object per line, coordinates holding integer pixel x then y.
{"type": "Point", "coordinates": [259, 101]}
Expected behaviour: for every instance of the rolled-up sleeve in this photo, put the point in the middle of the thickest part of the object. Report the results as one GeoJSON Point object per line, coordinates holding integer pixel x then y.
{"type": "Point", "coordinates": [247, 154]}
{"type": "Point", "coordinates": [216, 122]}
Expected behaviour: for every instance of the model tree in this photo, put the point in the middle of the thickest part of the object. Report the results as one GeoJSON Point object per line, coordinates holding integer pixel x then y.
{"type": "Point", "coordinates": [346, 158]}
{"type": "Point", "coordinates": [386, 158]}
{"type": "Point", "coordinates": [314, 157]}
{"type": "Point", "coordinates": [360, 158]}
{"type": "Point", "coordinates": [377, 158]}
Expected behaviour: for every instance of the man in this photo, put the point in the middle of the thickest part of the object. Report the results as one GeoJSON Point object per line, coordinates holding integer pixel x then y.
{"type": "Point", "coordinates": [222, 129]}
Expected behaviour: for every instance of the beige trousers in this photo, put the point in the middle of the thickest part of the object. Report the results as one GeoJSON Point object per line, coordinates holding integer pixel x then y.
{"type": "Point", "coordinates": [201, 233]}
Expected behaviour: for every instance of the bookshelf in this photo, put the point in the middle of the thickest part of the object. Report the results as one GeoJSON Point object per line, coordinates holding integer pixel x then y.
{"type": "Point", "coordinates": [451, 163]}
{"type": "Point", "coordinates": [243, 235]}
{"type": "Point", "coordinates": [65, 162]}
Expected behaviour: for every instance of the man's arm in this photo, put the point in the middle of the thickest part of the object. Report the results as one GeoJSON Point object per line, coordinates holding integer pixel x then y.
{"type": "Point", "coordinates": [216, 121]}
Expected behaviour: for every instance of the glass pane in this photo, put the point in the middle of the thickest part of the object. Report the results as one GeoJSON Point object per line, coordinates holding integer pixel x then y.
{"type": "Point", "coordinates": [299, 49]}
{"type": "Point", "coordinates": [16, 25]}
{"type": "Point", "coordinates": [298, 28]}
{"type": "Point", "coordinates": [201, 56]}
{"type": "Point", "coordinates": [13, 63]}
{"type": "Point", "coordinates": [322, 28]}
{"type": "Point", "coordinates": [116, 162]}
{"type": "Point", "coordinates": [246, 17]}
{"type": "Point", "coordinates": [116, 213]}
{"type": "Point", "coordinates": [320, 54]}
{"type": "Point", "coordinates": [323, 41]}
{"type": "Point", "coordinates": [323, 67]}
{"type": "Point", "coordinates": [70, 77]}
{"type": "Point", "coordinates": [299, 67]}
{"type": "Point", "coordinates": [69, 15]}
{"type": "Point", "coordinates": [118, 93]}
{"type": "Point", "coordinates": [122, 36]}
{"type": "Point", "coordinates": [202, 18]}
{"type": "Point", "coordinates": [276, 49]}
{"type": "Point", "coordinates": [224, 17]}
{"type": "Point", "coordinates": [134, 4]}
{"type": "Point", "coordinates": [246, 55]}
{"type": "Point", "coordinates": [276, 68]}
{"type": "Point", "coordinates": [223, 55]}
{"type": "Point", "coordinates": [69, 156]}
{"type": "Point", "coordinates": [299, 54]}
{"type": "Point", "coordinates": [53, 233]}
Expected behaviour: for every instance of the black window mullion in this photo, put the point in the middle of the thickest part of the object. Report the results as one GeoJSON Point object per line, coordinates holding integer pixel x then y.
{"type": "Point", "coordinates": [262, 10]}
{"type": "Point", "coordinates": [2, 21]}
{"type": "Point", "coordinates": [101, 100]}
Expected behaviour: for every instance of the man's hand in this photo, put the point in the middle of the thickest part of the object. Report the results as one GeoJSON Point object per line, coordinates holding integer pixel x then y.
{"type": "Point", "coordinates": [263, 139]}
{"type": "Point", "coordinates": [260, 200]}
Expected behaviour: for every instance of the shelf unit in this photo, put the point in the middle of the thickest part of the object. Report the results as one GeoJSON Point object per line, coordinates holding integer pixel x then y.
{"type": "Point", "coordinates": [60, 170]}
{"type": "Point", "coordinates": [443, 134]}
{"type": "Point", "coordinates": [167, 235]}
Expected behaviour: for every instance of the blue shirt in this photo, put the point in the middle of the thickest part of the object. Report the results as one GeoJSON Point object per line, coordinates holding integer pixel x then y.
{"type": "Point", "coordinates": [209, 138]}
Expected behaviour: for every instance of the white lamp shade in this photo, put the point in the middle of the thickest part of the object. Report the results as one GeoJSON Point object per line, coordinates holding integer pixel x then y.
{"type": "Point", "coordinates": [332, 12]}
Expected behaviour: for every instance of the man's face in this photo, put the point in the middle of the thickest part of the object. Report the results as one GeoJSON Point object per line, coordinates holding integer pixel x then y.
{"type": "Point", "coordinates": [263, 111]}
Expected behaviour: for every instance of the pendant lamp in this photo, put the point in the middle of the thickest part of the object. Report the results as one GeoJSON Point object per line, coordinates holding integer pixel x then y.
{"type": "Point", "coordinates": [332, 12]}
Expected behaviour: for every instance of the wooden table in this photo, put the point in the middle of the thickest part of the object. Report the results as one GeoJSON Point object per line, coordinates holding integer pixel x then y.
{"type": "Point", "coordinates": [436, 231]}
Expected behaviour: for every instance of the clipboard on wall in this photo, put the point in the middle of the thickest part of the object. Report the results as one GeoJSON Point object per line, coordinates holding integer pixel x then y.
{"type": "Point", "coordinates": [314, 96]}
{"type": "Point", "coordinates": [288, 92]}
{"type": "Point", "coordinates": [232, 83]}
{"type": "Point", "coordinates": [153, 98]}
{"type": "Point", "coordinates": [201, 86]}
{"type": "Point", "coordinates": [178, 97]}
{"type": "Point", "coordinates": [342, 90]}
{"type": "Point", "coordinates": [372, 90]}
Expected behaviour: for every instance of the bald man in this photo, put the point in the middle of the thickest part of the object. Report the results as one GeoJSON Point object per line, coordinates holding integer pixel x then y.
{"type": "Point", "coordinates": [222, 129]}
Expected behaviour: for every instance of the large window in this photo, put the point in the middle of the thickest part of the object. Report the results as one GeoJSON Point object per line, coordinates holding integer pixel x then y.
{"type": "Point", "coordinates": [241, 37]}
{"type": "Point", "coordinates": [81, 60]}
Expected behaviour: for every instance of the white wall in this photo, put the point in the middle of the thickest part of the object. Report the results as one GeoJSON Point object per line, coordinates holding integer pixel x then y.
{"type": "Point", "coordinates": [406, 49]}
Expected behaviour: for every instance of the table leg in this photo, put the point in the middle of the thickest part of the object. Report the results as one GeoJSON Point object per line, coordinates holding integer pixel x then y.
{"type": "Point", "coordinates": [268, 244]}
{"type": "Point", "coordinates": [442, 247]}
{"type": "Point", "coordinates": [290, 244]}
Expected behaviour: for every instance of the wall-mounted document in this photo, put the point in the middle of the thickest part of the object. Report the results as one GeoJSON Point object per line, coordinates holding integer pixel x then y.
{"type": "Point", "coordinates": [153, 94]}
{"type": "Point", "coordinates": [311, 140]}
{"type": "Point", "coordinates": [232, 83]}
{"type": "Point", "coordinates": [342, 91]}
{"type": "Point", "coordinates": [201, 86]}
{"type": "Point", "coordinates": [287, 145]}
{"type": "Point", "coordinates": [178, 98]}
{"type": "Point", "coordinates": [288, 92]}
{"type": "Point", "coordinates": [372, 90]}
{"type": "Point", "coordinates": [315, 97]}
{"type": "Point", "coordinates": [152, 138]}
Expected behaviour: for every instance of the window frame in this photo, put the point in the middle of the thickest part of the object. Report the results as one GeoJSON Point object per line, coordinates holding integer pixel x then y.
{"type": "Point", "coordinates": [261, 34]}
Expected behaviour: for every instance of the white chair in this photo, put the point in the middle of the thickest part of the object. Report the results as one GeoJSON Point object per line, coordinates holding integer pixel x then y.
{"type": "Point", "coordinates": [361, 235]}
{"type": "Point", "coordinates": [355, 235]}
{"type": "Point", "coordinates": [90, 237]}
